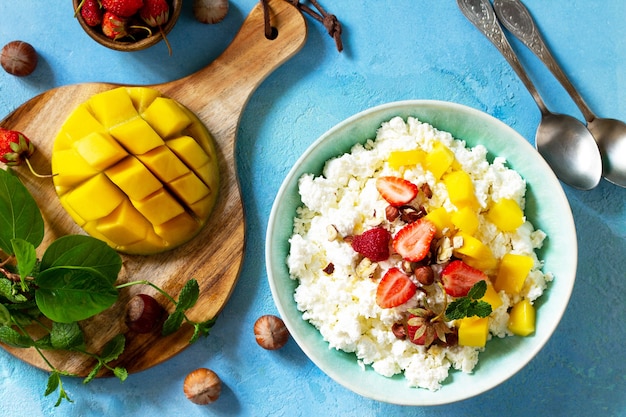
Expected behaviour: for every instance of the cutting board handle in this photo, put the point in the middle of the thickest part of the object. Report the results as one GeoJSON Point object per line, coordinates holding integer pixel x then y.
{"type": "Point", "coordinates": [228, 82]}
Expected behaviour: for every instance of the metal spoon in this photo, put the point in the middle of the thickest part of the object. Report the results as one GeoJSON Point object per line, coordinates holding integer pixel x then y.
{"type": "Point", "coordinates": [563, 141]}
{"type": "Point", "coordinates": [609, 133]}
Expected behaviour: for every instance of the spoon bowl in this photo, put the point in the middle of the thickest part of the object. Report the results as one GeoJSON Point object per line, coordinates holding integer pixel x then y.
{"type": "Point", "coordinates": [610, 134]}
{"type": "Point", "coordinates": [563, 141]}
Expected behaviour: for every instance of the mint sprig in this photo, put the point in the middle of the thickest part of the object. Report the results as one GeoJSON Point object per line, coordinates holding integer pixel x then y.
{"type": "Point", "coordinates": [73, 281]}
{"type": "Point", "coordinates": [471, 305]}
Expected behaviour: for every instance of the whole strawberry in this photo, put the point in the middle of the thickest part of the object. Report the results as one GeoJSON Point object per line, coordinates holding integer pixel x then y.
{"type": "Point", "coordinates": [155, 12]}
{"type": "Point", "coordinates": [373, 244]}
{"type": "Point", "coordinates": [91, 12]}
{"type": "Point", "coordinates": [114, 26]}
{"type": "Point", "coordinates": [122, 8]}
{"type": "Point", "coordinates": [15, 147]}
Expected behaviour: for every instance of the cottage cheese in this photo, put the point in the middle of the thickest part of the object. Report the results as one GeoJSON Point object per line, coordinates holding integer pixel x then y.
{"type": "Point", "coordinates": [342, 304]}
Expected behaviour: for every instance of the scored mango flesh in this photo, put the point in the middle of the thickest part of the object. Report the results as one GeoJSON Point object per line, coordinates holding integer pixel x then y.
{"type": "Point", "coordinates": [136, 170]}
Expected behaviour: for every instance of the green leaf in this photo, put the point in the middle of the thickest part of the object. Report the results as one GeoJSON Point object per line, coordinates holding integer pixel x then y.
{"type": "Point", "coordinates": [457, 309]}
{"type": "Point", "coordinates": [114, 348]}
{"type": "Point", "coordinates": [66, 295]}
{"type": "Point", "coordinates": [188, 295]}
{"type": "Point", "coordinates": [66, 336]}
{"type": "Point", "coordinates": [202, 329]}
{"type": "Point", "coordinates": [92, 374]}
{"type": "Point", "coordinates": [478, 290]}
{"type": "Point", "coordinates": [5, 316]}
{"type": "Point", "coordinates": [173, 323]}
{"type": "Point", "coordinates": [53, 383]}
{"type": "Point", "coordinates": [7, 291]}
{"type": "Point", "coordinates": [479, 308]}
{"type": "Point", "coordinates": [12, 337]}
{"type": "Point", "coordinates": [120, 373]}
{"type": "Point", "coordinates": [20, 217]}
{"type": "Point", "coordinates": [25, 255]}
{"type": "Point", "coordinates": [83, 252]}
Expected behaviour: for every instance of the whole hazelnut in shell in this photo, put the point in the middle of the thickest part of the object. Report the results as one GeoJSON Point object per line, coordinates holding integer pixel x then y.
{"type": "Point", "coordinates": [202, 386]}
{"type": "Point", "coordinates": [18, 58]}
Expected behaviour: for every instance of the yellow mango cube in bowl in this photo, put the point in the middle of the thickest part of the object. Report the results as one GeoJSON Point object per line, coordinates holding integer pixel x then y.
{"type": "Point", "coordinates": [522, 318]}
{"type": "Point", "coordinates": [460, 189]}
{"type": "Point", "coordinates": [506, 214]}
{"type": "Point", "coordinates": [439, 159]}
{"type": "Point", "coordinates": [512, 273]}
{"type": "Point", "coordinates": [473, 331]}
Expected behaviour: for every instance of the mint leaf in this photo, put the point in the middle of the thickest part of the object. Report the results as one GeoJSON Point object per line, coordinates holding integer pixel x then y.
{"type": "Point", "coordinates": [188, 295]}
{"type": "Point", "coordinates": [470, 305]}
{"type": "Point", "coordinates": [20, 217]}
{"type": "Point", "coordinates": [66, 336]}
{"type": "Point", "coordinates": [173, 323]}
{"type": "Point", "coordinates": [479, 308]}
{"type": "Point", "coordinates": [12, 337]}
{"type": "Point", "coordinates": [5, 316]}
{"type": "Point", "coordinates": [92, 374]}
{"type": "Point", "coordinates": [113, 349]}
{"type": "Point", "coordinates": [83, 252]}
{"type": "Point", "coordinates": [478, 290]}
{"type": "Point", "coordinates": [25, 255]}
{"type": "Point", "coordinates": [120, 373]}
{"type": "Point", "coordinates": [8, 291]}
{"type": "Point", "coordinates": [66, 295]}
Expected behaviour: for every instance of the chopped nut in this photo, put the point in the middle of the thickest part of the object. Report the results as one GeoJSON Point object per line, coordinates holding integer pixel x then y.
{"type": "Point", "coordinates": [330, 268]}
{"type": "Point", "coordinates": [409, 214]}
{"type": "Point", "coordinates": [428, 193]}
{"type": "Point", "coordinates": [399, 331]}
{"type": "Point", "coordinates": [332, 232]}
{"type": "Point", "coordinates": [391, 213]}
{"type": "Point", "coordinates": [366, 268]}
{"type": "Point", "coordinates": [444, 250]}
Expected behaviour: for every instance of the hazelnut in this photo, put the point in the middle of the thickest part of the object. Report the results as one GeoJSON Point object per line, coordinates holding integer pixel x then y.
{"type": "Point", "coordinates": [143, 313]}
{"type": "Point", "coordinates": [18, 58]}
{"type": "Point", "coordinates": [202, 386]}
{"type": "Point", "coordinates": [424, 275]}
{"type": "Point", "coordinates": [270, 332]}
{"type": "Point", "coordinates": [210, 11]}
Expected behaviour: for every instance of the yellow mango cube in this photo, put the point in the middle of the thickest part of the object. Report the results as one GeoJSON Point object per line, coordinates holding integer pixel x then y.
{"type": "Point", "coordinates": [100, 150]}
{"type": "Point", "coordinates": [465, 219]}
{"type": "Point", "coordinates": [439, 159]}
{"type": "Point", "coordinates": [70, 168]}
{"type": "Point", "coordinates": [164, 164]}
{"type": "Point", "coordinates": [177, 230]}
{"type": "Point", "coordinates": [124, 226]}
{"type": "Point", "coordinates": [460, 189]}
{"type": "Point", "coordinates": [78, 125]}
{"type": "Point", "coordinates": [441, 219]}
{"type": "Point", "coordinates": [512, 273]}
{"type": "Point", "coordinates": [142, 97]}
{"type": "Point", "coordinates": [506, 214]}
{"type": "Point", "coordinates": [203, 207]}
{"type": "Point", "coordinates": [133, 178]}
{"type": "Point", "coordinates": [475, 253]}
{"type": "Point", "coordinates": [189, 188]}
{"type": "Point", "coordinates": [95, 198]}
{"type": "Point", "coordinates": [473, 331]}
{"type": "Point", "coordinates": [412, 157]}
{"type": "Point", "coordinates": [112, 107]}
{"type": "Point", "coordinates": [137, 136]}
{"type": "Point", "coordinates": [522, 318]}
{"type": "Point", "coordinates": [190, 151]}
{"type": "Point", "coordinates": [491, 297]}
{"type": "Point", "coordinates": [159, 207]}
{"type": "Point", "coordinates": [166, 117]}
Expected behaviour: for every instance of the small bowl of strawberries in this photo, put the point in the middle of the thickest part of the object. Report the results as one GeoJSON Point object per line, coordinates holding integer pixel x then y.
{"type": "Point", "coordinates": [127, 25]}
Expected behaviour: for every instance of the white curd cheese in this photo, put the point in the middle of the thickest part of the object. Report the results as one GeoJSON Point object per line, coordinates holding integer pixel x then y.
{"type": "Point", "coordinates": [341, 304]}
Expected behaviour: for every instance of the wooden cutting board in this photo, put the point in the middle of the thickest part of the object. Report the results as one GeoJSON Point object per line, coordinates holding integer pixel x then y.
{"type": "Point", "coordinates": [217, 94]}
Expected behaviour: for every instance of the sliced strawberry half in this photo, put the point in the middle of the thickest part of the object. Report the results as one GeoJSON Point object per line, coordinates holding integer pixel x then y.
{"type": "Point", "coordinates": [458, 278]}
{"type": "Point", "coordinates": [413, 241]}
{"type": "Point", "coordinates": [394, 289]}
{"type": "Point", "coordinates": [397, 191]}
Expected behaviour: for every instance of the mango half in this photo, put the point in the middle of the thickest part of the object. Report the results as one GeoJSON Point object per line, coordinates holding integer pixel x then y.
{"type": "Point", "coordinates": [136, 170]}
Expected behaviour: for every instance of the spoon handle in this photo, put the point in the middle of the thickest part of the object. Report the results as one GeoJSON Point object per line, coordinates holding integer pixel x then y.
{"type": "Point", "coordinates": [481, 14]}
{"type": "Point", "coordinates": [516, 18]}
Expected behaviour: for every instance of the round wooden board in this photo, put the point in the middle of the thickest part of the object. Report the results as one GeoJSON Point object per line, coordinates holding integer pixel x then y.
{"type": "Point", "coordinates": [217, 94]}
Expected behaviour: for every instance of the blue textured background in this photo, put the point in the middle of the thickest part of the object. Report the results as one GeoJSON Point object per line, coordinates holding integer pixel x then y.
{"type": "Point", "coordinates": [394, 49]}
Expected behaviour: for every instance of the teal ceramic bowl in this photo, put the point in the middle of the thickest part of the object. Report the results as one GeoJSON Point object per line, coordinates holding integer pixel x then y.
{"type": "Point", "coordinates": [546, 207]}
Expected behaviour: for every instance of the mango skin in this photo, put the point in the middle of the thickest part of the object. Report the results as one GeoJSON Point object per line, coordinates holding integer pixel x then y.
{"type": "Point", "coordinates": [121, 179]}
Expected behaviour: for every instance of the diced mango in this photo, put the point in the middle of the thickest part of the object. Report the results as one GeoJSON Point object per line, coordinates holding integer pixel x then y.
{"type": "Point", "coordinates": [112, 107]}
{"type": "Point", "coordinates": [473, 331]}
{"type": "Point", "coordinates": [100, 150]}
{"type": "Point", "coordinates": [120, 182]}
{"type": "Point", "coordinates": [78, 125]}
{"type": "Point", "coordinates": [189, 188]}
{"type": "Point", "coordinates": [166, 117]}
{"type": "Point", "coordinates": [70, 168]}
{"type": "Point", "coordinates": [512, 273]}
{"type": "Point", "coordinates": [439, 159]}
{"type": "Point", "coordinates": [159, 207]}
{"type": "Point", "coordinates": [133, 178]}
{"type": "Point", "coordinates": [164, 164]}
{"type": "Point", "coordinates": [465, 219]}
{"type": "Point", "coordinates": [460, 189]}
{"type": "Point", "coordinates": [190, 151]}
{"type": "Point", "coordinates": [95, 198]}
{"type": "Point", "coordinates": [475, 253]}
{"type": "Point", "coordinates": [124, 225]}
{"type": "Point", "coordinates": [142, 97]}
{"type": "Point", "coordinates": [506, 214]}
{"type": "Point", "coordinates": [441, 219]}
{"type": "Point", "coordinates": [492, 297]}
{"type": "Point", "coordinates": [522, 318]}
{"type": "Point", "coordinates": [137, 136]}
{"type": "Point", "coordinates": [412, 157]}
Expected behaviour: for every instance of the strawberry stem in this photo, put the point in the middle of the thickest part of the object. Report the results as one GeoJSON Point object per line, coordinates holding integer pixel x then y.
{"type": "Point", "coordinates": [169, 47]}
{"type": "Point", "coordinates": [35, 173]}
